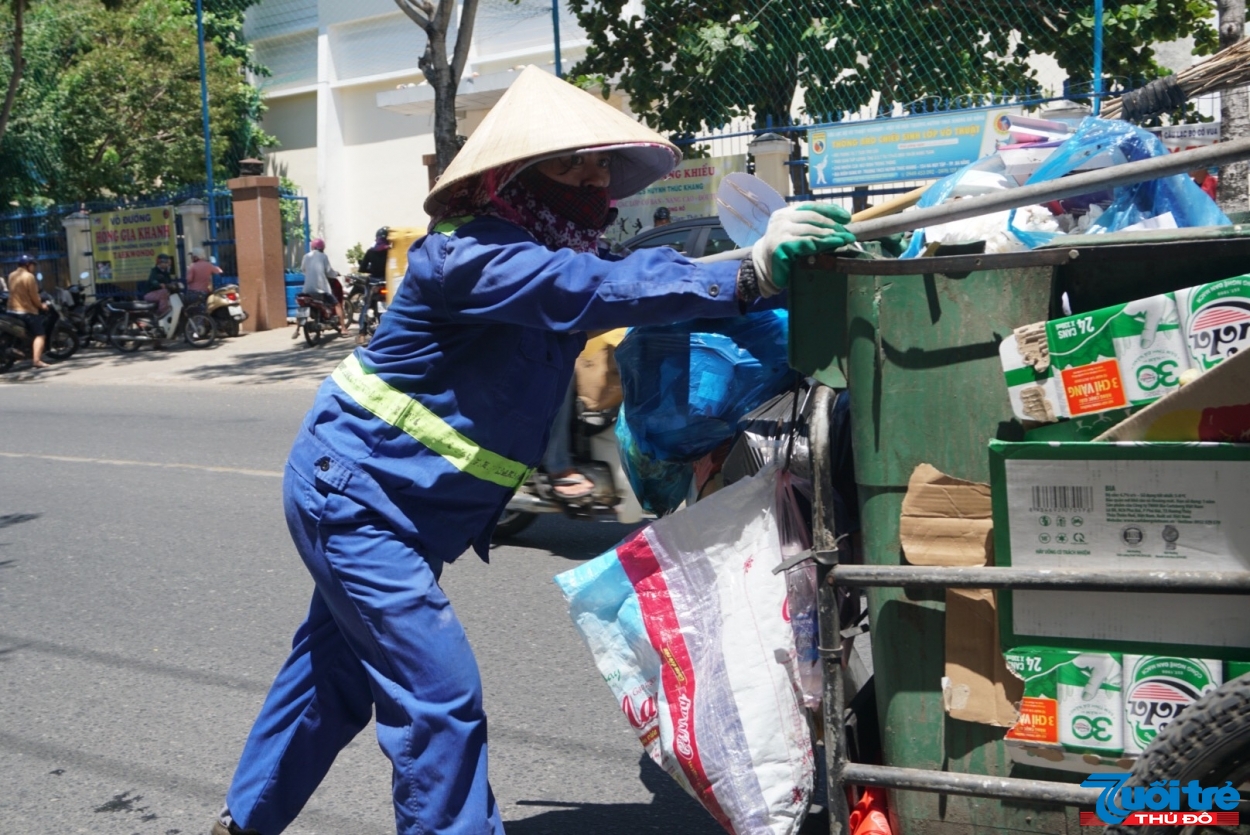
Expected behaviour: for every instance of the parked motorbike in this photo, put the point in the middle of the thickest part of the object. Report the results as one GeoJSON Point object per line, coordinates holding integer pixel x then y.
{"type": "Point", "coordinates": [138, 323]}
{"type": "Point", "coordinates": [368, 294]}
{"type": "Point", "coordinates": [92, 321]}
{"type": "Point", "coordinates": [16, 340]}
{"type": "Point", "coordinates": [596, 455]}
{"type": "Point", "coordinates": [225, 308]}
{"type": "Point", "coordinates": [316, 316]}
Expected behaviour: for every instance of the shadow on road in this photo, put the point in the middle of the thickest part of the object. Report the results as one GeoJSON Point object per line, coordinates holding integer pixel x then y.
{"type": "Point", "coordinates": [300, 362]}
{"type": "Point", "coordinates": [670, 810]}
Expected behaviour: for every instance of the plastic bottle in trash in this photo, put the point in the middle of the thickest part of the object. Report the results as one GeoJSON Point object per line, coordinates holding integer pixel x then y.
{"type": "Point", "coordinates": [800, 589]}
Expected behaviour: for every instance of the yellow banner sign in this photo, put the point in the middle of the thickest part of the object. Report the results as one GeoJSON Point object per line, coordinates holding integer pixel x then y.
{"type": "Point", "coordinates": [125, 243]}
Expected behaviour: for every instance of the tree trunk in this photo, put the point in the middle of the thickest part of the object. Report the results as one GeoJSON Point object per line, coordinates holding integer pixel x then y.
{"type": "Point", "coordinates": [10, 96]}
{"type": "Point", "coordinates": [1234, 190]}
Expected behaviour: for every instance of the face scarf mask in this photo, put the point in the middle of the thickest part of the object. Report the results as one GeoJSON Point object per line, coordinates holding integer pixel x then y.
{"type": "Point", "coordinates": [557, 215]}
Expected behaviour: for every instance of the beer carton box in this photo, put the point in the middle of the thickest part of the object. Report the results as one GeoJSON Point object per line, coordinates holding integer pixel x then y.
{"type": "Point", "coordinates": [1125, 356]}
{"type": "Point", "coordinates": [1157, 688]}
{"type": "Point", "coordinates": [1072, 711]}
{"type": "Point", "coordinates": [1236, 669]}
{"type": "Point", "coordinates": [1122, 506]}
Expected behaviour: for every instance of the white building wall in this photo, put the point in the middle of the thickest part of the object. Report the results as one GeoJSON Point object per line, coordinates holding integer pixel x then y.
{"type": "Point", "coordinates": [359, 164]}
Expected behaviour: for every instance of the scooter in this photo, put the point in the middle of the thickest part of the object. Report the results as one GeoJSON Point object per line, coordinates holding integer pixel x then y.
{"type": "Point", "coordinates": [92, 321]}
{"type": "Point", "coordinates": [16, 341]}
{"type": "Point", "coordinates": [315, 317]}
{"type": "Point", "coordinates": [596, 455]}
{"type": "Point", "coordinates": [367, 294]}
{"type": "Point", "coordinates": [138, 323]}
{"type": "Point", "coordinates": [225, 308]}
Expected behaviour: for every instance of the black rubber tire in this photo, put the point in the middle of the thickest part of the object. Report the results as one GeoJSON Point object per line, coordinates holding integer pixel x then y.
{"type": "Point", "coordinates": [512, 523]}
{"type": "Point", "coordinates": [6, 352]}
{"type": "Point", "coordinates": [313, 327]}
{"type": "Point", "coordinates": [118, 336]}
{"type": "Point", "coordinates": [199, 331]}
{"type": "Point", "coordinates": [351, 308]}
{"type": "Point", "coordinates": [62, 343]}
{"type": "Point", "coordinates": [1208, 742]}
{"type": "Point", "coordinates": [227, 327]}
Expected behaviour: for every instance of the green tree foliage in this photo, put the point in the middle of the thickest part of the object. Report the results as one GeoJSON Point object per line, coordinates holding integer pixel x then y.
{"type": "Point", "coordinates": [109, 103]}
{"type": "Point", "coordinates": [688, 67]}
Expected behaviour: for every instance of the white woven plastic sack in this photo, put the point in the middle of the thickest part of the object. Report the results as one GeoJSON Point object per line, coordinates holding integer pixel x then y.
{"type": "Point", "coordinates": [687, 624]}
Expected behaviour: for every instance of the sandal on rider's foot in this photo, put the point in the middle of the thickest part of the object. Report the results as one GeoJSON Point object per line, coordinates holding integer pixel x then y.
{"type": "Point", "coordinates": [572, 485]}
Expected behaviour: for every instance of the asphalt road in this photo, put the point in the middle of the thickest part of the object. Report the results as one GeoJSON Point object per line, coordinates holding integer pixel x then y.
{"type": "Point", "coordinates": [149, 591]}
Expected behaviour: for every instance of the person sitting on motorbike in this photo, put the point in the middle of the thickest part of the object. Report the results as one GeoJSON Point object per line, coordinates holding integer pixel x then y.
{"type": "Point", "coordinates": [373, 264]}
{"type": "Point", "coordinates": [413, 447]}
{"type": "Point", "coordinates": [160, 283]}
{"type": "Point", "coordinates": [25, 303]}
{"type": "Point", "coordinates": [317, 275]}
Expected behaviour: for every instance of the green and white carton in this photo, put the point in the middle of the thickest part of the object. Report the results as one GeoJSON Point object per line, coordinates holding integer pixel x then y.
{"type": "Point", "coordinates": [1157, 688]}
{"type": "Point", "coordinates": [1072, 704]}
{"type": "Point", "coordinates": [1125, 356]}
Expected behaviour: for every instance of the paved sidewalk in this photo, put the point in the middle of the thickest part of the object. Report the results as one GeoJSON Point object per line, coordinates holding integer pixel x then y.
{"type": "Point", "coordinates": [253, 359]}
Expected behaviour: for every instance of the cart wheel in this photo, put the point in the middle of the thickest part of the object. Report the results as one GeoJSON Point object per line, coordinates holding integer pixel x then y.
{"type": "Point", "coordinates": [1208, 742]}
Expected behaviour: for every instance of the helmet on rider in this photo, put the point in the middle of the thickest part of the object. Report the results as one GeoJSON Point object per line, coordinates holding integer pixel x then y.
{"type": "Point", "coordinates": [318, 244]}
{"type": "Point", "coordinates": [383, 234]}
{"type": "Point", "coordinates": [25, 260]}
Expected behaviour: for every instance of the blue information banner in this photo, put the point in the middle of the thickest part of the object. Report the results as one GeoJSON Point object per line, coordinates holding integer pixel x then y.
{"type": "Point", "coordinates": [908, 148]}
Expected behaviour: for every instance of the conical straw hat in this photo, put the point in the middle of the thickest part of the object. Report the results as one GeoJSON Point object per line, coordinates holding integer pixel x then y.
{"type": "Point", "coordinates": [541, 116]}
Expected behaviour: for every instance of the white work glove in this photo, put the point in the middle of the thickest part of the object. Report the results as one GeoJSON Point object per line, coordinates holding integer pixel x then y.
{"type": "Point", "coordinates": [796, 232]}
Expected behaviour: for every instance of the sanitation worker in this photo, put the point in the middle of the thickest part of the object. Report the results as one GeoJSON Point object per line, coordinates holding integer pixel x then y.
{"type": "Point", "coordinates": [415, 444]}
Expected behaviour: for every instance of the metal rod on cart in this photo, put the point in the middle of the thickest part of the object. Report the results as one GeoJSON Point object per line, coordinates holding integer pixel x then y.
{"type": "Point", "coordinates": [1066, 579]}
{"type": "Point", "coordinates": [829, 628]}
{"type": "Point", "coordinates": [971, 785]}
{"type": "Point", "coordinates": [1087, 182]}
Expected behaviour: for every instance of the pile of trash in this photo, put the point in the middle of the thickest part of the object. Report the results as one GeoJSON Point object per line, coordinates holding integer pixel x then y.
{"type": "Point", "coordinates": [1047, 149]}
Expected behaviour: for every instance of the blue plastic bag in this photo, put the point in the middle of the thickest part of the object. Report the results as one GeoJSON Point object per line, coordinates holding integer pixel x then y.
{"type": "Point", "coordinates": [1178, 194]}
{"type": "Point", "coordinates": [1189, 205]}
{"type": "Point", "coordinates": [686, 386]}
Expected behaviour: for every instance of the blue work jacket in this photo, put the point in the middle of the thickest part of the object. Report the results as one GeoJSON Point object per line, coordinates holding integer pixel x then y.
{"type": "Point", "coordinates": [484, 332]}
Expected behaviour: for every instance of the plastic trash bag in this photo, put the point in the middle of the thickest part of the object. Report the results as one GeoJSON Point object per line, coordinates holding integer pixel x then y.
{"type": "Point", "coordinates": [1093, 138]}
{"type": "Point", "coordinates": [687, 385]}
{"type": "Point", "coordinates": [685, 623]}
{"type": "Point", "coordinates": [1179, 195]}
{"type": "Point", "coordinates": [661, 486]}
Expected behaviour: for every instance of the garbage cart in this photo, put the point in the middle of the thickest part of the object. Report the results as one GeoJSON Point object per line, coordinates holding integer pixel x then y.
{"type": "Point", "coordinates": [916, 342]}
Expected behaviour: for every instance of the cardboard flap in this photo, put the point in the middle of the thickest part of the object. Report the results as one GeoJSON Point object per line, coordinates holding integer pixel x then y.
{"type": "Point", "coordinates": [978, 686]}
{"type": "Point", "coordinates": [1214, 407]}
{"type": "Point", "coordinates": [946, 521]}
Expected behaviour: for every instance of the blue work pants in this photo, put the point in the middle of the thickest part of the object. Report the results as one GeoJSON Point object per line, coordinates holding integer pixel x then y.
{"type": "Point", "coordinates": [380, 635]}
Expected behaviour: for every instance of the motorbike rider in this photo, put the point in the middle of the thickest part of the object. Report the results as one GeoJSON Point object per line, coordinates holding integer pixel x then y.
{"type": "Point", "coordinates": [26, 304]}
{"type": "Point", "coordinates": [317, 274]}
{"type": "Point", "coordinates": [373, 265]}
{"type": "Point", "coordinates": [414, 445]}
{"type": "Point", "coordinates": [160, 283]}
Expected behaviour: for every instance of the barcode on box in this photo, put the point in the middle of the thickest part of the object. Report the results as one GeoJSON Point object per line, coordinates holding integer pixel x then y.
{"type": "Point", "coordinates": [1067, 498]}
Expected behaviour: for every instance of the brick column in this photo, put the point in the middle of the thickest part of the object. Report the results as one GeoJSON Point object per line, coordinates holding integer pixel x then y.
{"type": "Point", "coordinates": [258, 249]}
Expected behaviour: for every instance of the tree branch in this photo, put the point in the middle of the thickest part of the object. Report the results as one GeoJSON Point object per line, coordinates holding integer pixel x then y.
{"type": "Point", "coordinates": [464, 35]}
{"type": "Point", "coordinates": [10, 96]}
{"type": "Point", "coordinates": [420, 11]}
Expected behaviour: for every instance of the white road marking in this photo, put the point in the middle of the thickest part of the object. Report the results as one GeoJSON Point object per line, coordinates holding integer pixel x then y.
{"type": "Point", "coordinates": [119, 462]}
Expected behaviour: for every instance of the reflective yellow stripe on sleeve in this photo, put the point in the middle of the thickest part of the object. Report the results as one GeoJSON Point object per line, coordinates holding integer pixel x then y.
{"type": "Point", "coordinates": [406, 414]}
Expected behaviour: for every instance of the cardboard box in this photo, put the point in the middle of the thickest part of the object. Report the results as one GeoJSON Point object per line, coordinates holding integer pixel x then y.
{"type": "Point", "coordinates": [1072, 713]}
{"type": "Point", "coordinates": [1214, 407]}
{"type": "Point", "coordinates": [1126, 355]}
{"type": "Point", "coordinates": [1123, 506]}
